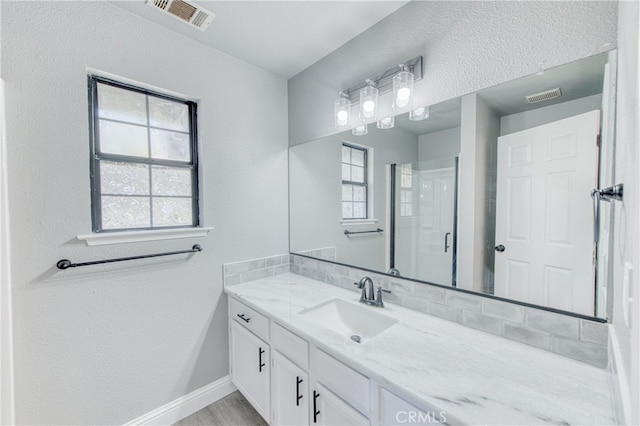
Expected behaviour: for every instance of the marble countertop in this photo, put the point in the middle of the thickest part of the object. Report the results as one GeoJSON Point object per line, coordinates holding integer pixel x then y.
{"type": "Point", "coordinates": [475, 377]}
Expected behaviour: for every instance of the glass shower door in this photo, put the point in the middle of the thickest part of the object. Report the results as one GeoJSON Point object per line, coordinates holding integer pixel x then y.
{"type": "Point", "coordinates": [425, 219]}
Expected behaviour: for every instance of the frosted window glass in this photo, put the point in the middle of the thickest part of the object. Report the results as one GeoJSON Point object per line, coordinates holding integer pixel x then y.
{"type": "Point", "coordinates": [346, 172]}
{"type": "Point", "coordinates": [408, 197]}
{"type": "Point", "coordinates": [357, 157]}
{"type": "Point", "coordinates": [359, 210]}
{"type": "Point", "coordinates": [347, 210]}
{"type": "Point", "coordinates": [347, 192]}
{"type": "Point", "coordinates": [171, 181]}
{"type": "Point", "coordinates": [409, 210]}
{"type": "Point", "coordinates": [172, 211]}
{"type": "Point", "coordinates": [125, 212]}
{"type": "Point", "coordinates": [358, 193]}
{"type": "Point", "coordinates": [346, 154]}
{"type": "Point", "coordinates": [170, 145]}
{"type": "Point", "coordinates": [357, 174]}
{"type": "Point", "coordinates": [123, 139]}
{"type": "Point", "coordinates": [121, 104]}
{"type": "Point", "coordinates": [168, 115]}
{"type": "Point", "coordinates": [124, 178]}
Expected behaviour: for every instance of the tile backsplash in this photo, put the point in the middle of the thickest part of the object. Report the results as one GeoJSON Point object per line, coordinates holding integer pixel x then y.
{"type": "Point", "coordinates": [249, 270]}
{"type": "Point", "coordinates": [569, 336]}
{"type": "Point", "coordinates": [573, 337]}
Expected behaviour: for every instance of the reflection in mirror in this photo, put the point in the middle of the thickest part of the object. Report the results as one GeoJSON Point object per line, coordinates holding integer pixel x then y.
{"type": "Point", "coordinates": [490, 193]}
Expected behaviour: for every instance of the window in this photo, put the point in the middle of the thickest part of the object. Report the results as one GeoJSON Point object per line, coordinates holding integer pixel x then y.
{"type": "Point", "coordinates": [354, 182]}
{"type": "Point", "coordinates": [406, 190]}
{"type": "Point", "coordinates": [144, 169]}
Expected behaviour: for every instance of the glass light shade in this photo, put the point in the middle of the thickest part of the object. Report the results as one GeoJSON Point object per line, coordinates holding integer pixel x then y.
{"type": "Point", "coordinates": [360, 130]}
{"type": "Point", "coordinates": [342, 113]}
{"type": "Point", "coordinates": [368, 103]}
{"type": "Point", "coordinates": [402, 91]}
{"type": "Point", "coordinates": [418, 114]}
{"type": "Point", "coordinates": [386, 123]}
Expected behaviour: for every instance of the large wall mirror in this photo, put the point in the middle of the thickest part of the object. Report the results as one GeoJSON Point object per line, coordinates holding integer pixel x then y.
{"type": "Point", "coordinates": [491, 193]}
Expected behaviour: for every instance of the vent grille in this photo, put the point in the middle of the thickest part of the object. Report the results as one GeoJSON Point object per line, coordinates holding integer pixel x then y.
{"type": "Point", "coordinates": [185, 11]}
{"type": "Point", "coordinates": [544, 96]}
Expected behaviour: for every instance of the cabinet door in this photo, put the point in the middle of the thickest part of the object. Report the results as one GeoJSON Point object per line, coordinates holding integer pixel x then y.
{"type": "Point", "coordinates": [328, 409]}
{"type": "Point", "coordinates": [290, 391]}
{"type": "Point", "coordinates": [250, 367]}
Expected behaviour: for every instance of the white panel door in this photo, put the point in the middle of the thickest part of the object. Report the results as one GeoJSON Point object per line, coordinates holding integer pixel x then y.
{"type": "Point", "coordinates": [544, 216]}
{"type": "Point", "coordinates": [250, 367]}
{"type": "Point", "coordinates": [328, 409]}
{"type": "Point", "coordinates": [435, 235]}
{"type": "Point", "coordinates": [290, 392]}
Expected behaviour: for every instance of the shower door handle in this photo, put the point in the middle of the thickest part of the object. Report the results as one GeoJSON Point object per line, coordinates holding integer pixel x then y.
{"type": "Point", "coordinates": [446, 241]}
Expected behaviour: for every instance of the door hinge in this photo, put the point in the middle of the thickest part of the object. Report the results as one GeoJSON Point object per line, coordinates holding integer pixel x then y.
{"type": "Point", "coordinates": [599, 141]}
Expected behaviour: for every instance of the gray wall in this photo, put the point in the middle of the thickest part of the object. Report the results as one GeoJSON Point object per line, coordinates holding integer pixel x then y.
{"type": "Point", "coordinates": [441, 144]}
{"type": "Point", "coordinates": [106, 344]}
{"type": "Point", "coordinates": [467, 46]}
{"type": "Point", "coordinates": [537, 117]}
{"type": "Point", "coordinates": [315, 194]}
{"type": "Point", "coordinates": [626, 250]}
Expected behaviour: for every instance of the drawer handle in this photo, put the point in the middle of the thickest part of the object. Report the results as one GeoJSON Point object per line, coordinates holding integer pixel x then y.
{"type": "Point", "coordinates": [260, 363]}
{"type": "Point", "coordinates": [298, 396]}
{"type": "Point", "coordinates": [243, 318]}
{"type": "Point", "coordinates": [315, 406]}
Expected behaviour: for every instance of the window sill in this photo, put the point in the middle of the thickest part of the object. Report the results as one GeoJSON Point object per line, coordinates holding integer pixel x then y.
{"type": "Point", "coordinates": [107, 238]}
{"type": "Point", "coordinates": [347, 222]}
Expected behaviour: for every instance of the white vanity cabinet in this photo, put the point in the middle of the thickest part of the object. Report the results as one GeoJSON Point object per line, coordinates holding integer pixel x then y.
{"type": "Point", "coordinates": [290, 382]}
{"type": "Point", "coordinates": [249, 358]}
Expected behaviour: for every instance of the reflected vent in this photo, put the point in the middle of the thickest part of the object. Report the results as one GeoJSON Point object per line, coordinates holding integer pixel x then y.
{"type": "Point", "coordinates": [544, 96]}
{"type": "Point", "coordinates": [185, 11]}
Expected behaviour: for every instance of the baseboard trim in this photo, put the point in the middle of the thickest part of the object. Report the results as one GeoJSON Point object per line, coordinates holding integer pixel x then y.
{"type": "Point", "coordinates": [186, 405]}
{"type": "Point", "coordinates": [619, 378]}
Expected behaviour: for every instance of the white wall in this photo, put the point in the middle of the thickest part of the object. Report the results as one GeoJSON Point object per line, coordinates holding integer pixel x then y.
{"type": "Point", "coordinates": [467, 46]}
{"type": "Point", "coordinates": [626, 250]}
{"type": "Point", "coordinates": [441, 144]}
{"type": "Point", "coordinates": [539, 116]}
{"type": "Point", "coordinates": [106, 344]}
{"type": "Point", "coordinates": [315, 188]}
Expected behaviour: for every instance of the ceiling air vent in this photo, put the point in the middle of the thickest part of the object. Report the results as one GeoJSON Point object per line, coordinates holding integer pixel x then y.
{"type": "Point", "coordinates": [544, 96]}
{"type": "Point", "coordinates": [185, 11]}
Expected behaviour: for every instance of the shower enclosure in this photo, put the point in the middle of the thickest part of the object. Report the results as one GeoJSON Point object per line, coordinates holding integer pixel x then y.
{"type": "Point", "coordinates": [422, 215]}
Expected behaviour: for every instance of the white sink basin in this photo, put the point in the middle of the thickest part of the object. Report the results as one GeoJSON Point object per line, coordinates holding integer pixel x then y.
{"type": "Point", "coordinates": [349, 319]}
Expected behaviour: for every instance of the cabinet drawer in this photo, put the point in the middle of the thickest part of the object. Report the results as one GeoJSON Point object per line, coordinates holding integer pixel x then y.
{"type": "Point", "coordinates": [290, 345]}
{"type": "Point", "coordinates": [252, 320]}
{"type": "Point", "coordinates": [345, 382]}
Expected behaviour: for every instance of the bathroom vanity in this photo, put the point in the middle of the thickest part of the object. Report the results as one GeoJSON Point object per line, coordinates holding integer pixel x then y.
{"type": "Point", "coordinates": [294, 356]}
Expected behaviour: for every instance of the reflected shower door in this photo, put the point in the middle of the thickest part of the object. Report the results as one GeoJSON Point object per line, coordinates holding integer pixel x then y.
{"type": "Point", "coordinates": [424, 240]}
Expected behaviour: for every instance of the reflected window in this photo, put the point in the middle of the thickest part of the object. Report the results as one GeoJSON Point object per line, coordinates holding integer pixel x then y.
{"type": "Point", "coordinates": [143, 158]}
{"type": "Point", "coordinates": [406, 190]}
{"type": "Point", "coordinates": [354, 182]}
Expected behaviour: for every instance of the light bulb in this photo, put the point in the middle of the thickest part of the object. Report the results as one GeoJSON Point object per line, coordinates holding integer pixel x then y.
{"type": "Point", "coordinates": [419, 113]}
{"type": "Point", "coordinates": [402, 90]}
{"type": "Point", "coordinates": [343, 117]}
{"type": "Point", "coordinates": [386, 123]}
{"type": "Point", "coordinates": [403, 96]}
{"type": "Point", "coordinates": [368, 107]}
{"type": "Point", "coordinates": [360, 130]}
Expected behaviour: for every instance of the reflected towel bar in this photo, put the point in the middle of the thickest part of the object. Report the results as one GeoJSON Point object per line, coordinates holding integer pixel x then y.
{"type": "Point", "coordinates": [347, 232]}
{"type": "Point", "coordinates": [66, 263]}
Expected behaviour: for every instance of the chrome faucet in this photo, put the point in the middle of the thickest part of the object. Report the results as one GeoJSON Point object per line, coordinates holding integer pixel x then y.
{"type": "Point", "coordinates": [367, 296]}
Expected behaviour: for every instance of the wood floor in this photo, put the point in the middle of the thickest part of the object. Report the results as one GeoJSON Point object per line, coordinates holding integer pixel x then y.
{"type": "Point", "coordinates": [232, 410]}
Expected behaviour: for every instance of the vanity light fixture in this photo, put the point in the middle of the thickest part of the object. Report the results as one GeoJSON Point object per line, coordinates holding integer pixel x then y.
{"type": "Point", "coordinates": [360, 130]}
{"type": "Point", "coordinates": [386, 123]}
{"type": "Point", "coordinates": [342, 112]}
{"type": "Point", "coordinates": [402, 90]}
{"type": "Point", "coordinates": [368, 102]}
{"type": "Point", "coordinates": [420, 113]}
{"type": "Point", "coordinates": [399, 79]}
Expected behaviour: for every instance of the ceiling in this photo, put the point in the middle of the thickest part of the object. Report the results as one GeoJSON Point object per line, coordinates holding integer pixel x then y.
{"type": "Point", "coordinates": [284, 37]}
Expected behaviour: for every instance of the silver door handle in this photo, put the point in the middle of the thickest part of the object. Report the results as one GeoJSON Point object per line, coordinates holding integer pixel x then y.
{"type": "Point", "coordinates": [446, 241]}
{"type": "Point", "coordinates": [615, 192]}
